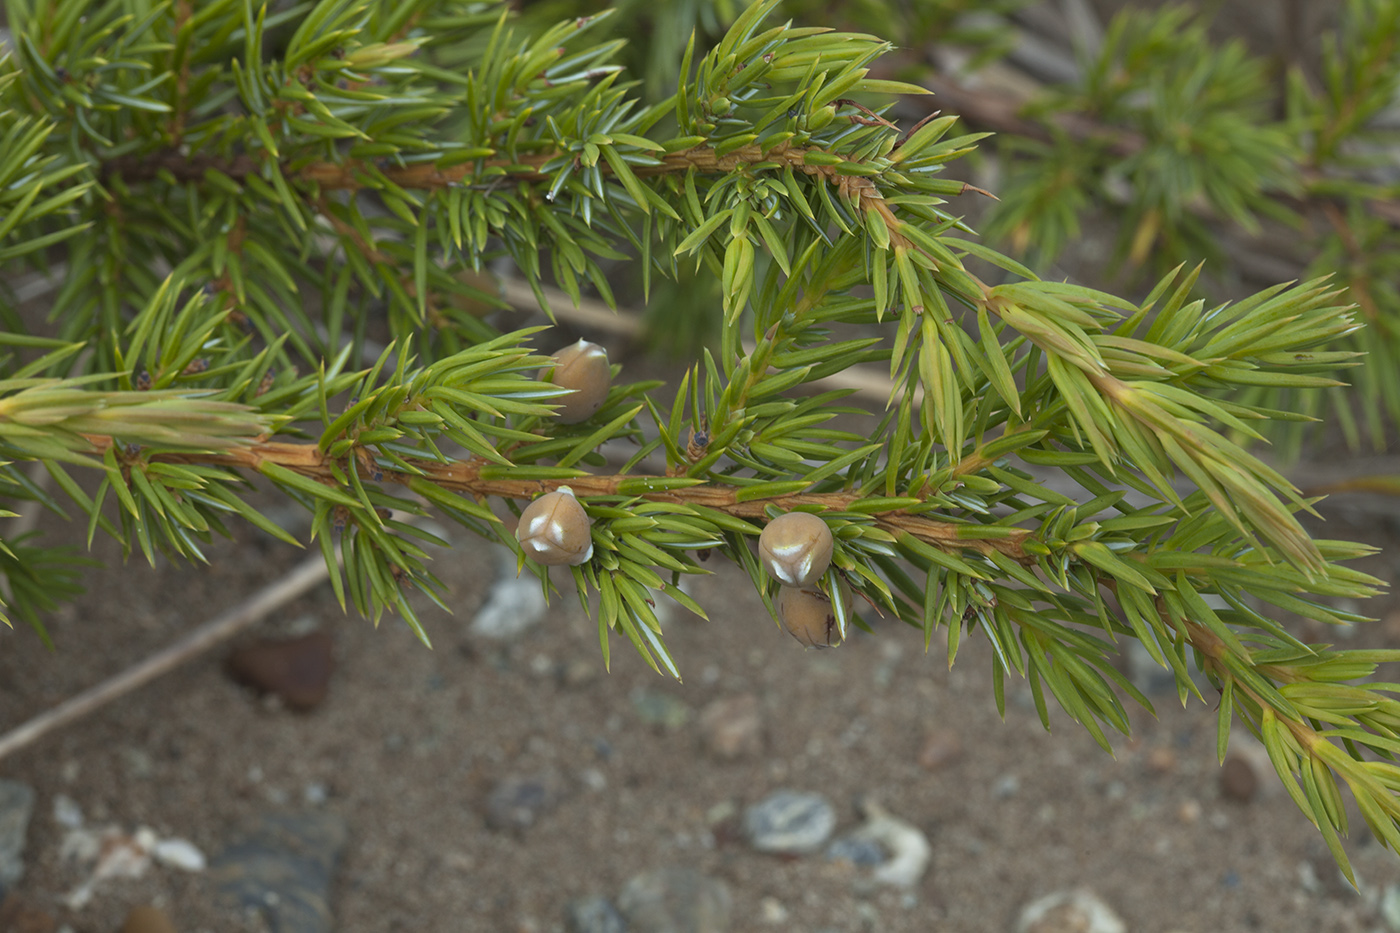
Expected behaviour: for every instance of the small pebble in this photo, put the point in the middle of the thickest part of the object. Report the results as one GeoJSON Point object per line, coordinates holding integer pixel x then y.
{"type": "Point", "coordinates": [1161, 761]}
{"type": "Point", "coordinates": [1069, 912]}
{"type": "Point", "coordinates": [20, 916]}
{"type": "Point", "coordinates": [860, 851]}
{"type": "Point", "coordinates": [179, 853]}
{"type": "Point", "coordinates": [732, 727]}
{"type": "Point", "coordinates": [904, 850]}
{"type": "Point", "coordinates": [789, 822]}
{"type": "Point", "coordinates": [1238, 780]}
{"type": "Point", "coordinates": [1006, 786]}
{"type": "Point", "coordinates": [941, 748]}
{"type": "Point", "coordinates": [659, 709]}
{"type": "Point", "coordinates": [1326, 877]}
{"type": "Point", "coordinates": [675, 900]}
{"type": "Point", "coordinates": [296, 670]}
{"type": "Point", "coordinates": [282, 870]}
{"type": "Point", "coordinates": [1146, 674]}
{"type": "Point", "coordinates": [771, 910]}
{"type": "Point", "coordinates": [1189, 812]}
{"type": "Point", "coordinates": [1390, 901]}
{"type": "Point", "coordinates": [138, 763]}
{"type": "Point", "coordinates": [578, 672]}
{"type": "Point", "coordinates": [594, 914]}
{"type": "Point", "coordinates": [513, 605]}
{"type": "Point", "coordinates": [147, 919]}
{"type": "Point", "coordinates": [66, 812]}
{"type": "Point", "coordinates": [16, 806]}
{"type": "Point", "coordinates": [517, 803]}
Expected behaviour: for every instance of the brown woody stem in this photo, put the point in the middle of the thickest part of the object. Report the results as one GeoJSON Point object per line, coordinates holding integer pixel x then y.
{"type": "Point", "coordinates": [465, 477]}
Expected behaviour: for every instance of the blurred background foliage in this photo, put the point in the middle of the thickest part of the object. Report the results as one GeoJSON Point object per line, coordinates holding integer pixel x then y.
{"type": "Point", "coordinates": [1131, 138]}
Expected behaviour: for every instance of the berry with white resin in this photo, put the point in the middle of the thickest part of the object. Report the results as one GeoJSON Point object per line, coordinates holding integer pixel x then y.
{"type": "Point", "coordinates": [554, 529]}
{"type": "Point", "coordinates": [796, 549]}
{"type": "Point", "coordinates": [583, 368]}
{"type": "Point", "coordinates": [810, 616]}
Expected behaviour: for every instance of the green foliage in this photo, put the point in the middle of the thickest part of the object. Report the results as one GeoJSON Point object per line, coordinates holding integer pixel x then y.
{"type": "Point", "coordinates": [1183, 139]}
{"type": "Point", "coordinates": [248, 195]}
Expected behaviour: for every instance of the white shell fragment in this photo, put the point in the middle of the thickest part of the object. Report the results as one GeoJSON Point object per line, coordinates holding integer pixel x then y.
{"type": "Point", "coordinates": [582, 367]}
{"type": "Point", "coordinates": [796, 549]}
{"type": "Point", "coordinates": [554, 529]}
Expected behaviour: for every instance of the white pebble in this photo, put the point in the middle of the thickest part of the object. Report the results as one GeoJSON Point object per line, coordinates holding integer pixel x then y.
{"type": "Point", "coordinates": [67, 813]}
{"type": "Point", "coordinates": [179, 853]}
{"type": "Point", "coordinates": [909, 848]}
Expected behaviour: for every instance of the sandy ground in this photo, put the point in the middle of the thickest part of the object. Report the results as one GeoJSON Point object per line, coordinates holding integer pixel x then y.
{"type": "Point", "coordinates": [411, 741]}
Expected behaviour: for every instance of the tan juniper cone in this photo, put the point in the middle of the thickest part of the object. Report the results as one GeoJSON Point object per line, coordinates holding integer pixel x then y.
{"type": "Point", "coordinates": [554, 529]}
{"type": "Point", "coordinates": [810, 617]}
{"type": "Point", "coordinates": [796, 549]}
{"type": "Point", "coordinates": [582, 367]}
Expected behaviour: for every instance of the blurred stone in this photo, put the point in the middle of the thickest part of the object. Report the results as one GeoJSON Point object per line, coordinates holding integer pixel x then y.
{"type": "Point", "coordinates": [1189, 812]}
{"type": "Point", "coordinates": [147, 919]}
{"type": "Point", "coordinates": [659, 709]}
{"type": "Point", "coordinates": [1008, 785]}
{"type": "Point", "coordinates": [578, 672]}
{"type": "Point", "coordinates": [1390, 906]}
{"type": "Point", "coordinates": [1069, 912]}
{"type": "Point", "coordinates": [594, 914]}
{"type": "Point", "coordinates": [20, 916]}
{"type": "Point", "coordinates": [179, 853]}
{"type": "Point", "coordinates": [858, 850]}
{"type": "Point", "coordinates": [896, 850]}
{"type": "Point", "coordinates": [138, 763]}
{"type": "Point", "coordinates": [513, 605]}
{"type": "Point", "coordinates": [295, 670]}
{"type": "Point", "coordinates": [732, 727]}
{"type": "Point", "coordinates": [1161, 761]}
{"type": "Point", "coordinates": [771, 910]}
{"type": "Point", "coordinates": [789, 822]}
{"type": "Point", "coordinates": [941, 748]}
{"type": "Point", "coordinates": [1318, 874]}
{"type": "Point", "coordinates": [16, 806]}
{"type": "Point", "coordinates": [66, 812]}
{"type": "Point", "coordinates": [517, 803]}
{"type": "Point", "coordinates": [1146, 674]}
{"type": "Point", "coordinates": [675, 900]}
{"type": "Point", "coordinates": [1238, 781]}
{"type": "Point", "coordinates": [1248, 772]}
{"type": "Point", "coordinates": [1392, 628]}
{"type": "Point", "coordinates": [281, 870]}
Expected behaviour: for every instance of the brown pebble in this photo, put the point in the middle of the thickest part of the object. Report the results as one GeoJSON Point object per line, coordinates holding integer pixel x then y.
{"type": "Point", "coordinates": [732, 727]}
{"type": "Point", "coordinates": [19, 916]}
{"type": "Point", "coordinates": [1161, 761]}
{"type": "Point", "coordinates": [1189, 812]}
{"type": "Point", "coordinates": [1238, 780]}
{"type": "Point", "coordinates": [941, 748]}
{"type": "Point", "coordinates": [578, 672]}
{"type": "Point", "coordinates": [297, 670]}
{"type": "Point", "coordinates": [147, 919]}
